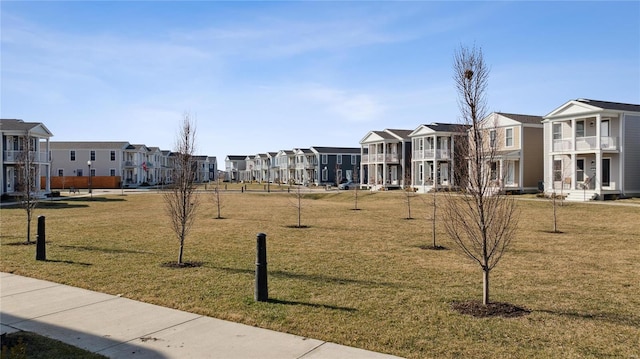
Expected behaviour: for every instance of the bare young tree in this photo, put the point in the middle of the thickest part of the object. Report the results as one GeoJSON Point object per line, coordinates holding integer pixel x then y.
{"type": "Point", "coordinates": [356, 190]}
{"type": "Point", "coordinates": [217, 198]}
{"type": "Point", "coordinates": [28, 181]}
{"type": "Point", "coordinates": [483, 219]}
{"type": "Point", "coordinates": [181, 199]}
{"type": "Point", "coordinates": [408, 193]}
{"type": "Point", "coordinates": [296, 202]}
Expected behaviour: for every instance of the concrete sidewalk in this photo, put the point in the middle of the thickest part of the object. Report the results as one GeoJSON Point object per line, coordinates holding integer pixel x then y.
{"type": "Point", "coordinates": [120, 328]}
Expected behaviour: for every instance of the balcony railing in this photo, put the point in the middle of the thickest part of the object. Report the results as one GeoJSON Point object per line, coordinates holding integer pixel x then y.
{"type": "Point", "coordinates": [585, 144]}
{"type": "Point", "coordinates": [381, 157]}
{"type": "Point", "coordinates": [14, 156]}
{"type": "Point", "coordinates": [431, 154]}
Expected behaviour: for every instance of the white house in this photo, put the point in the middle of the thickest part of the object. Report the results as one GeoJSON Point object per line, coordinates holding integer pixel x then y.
{"type": "Point", "coordinates": [14, 135]}
{"type": "Point", "coordinates": [592, 149]}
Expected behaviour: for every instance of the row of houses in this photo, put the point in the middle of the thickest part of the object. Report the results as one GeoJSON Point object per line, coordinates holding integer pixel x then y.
{"type": "Point", "coordinates": [65, 164]}
{"type": "Point", "coordinates": [315, 165]}
{"type": "Point", "coordinates": [585, 149]}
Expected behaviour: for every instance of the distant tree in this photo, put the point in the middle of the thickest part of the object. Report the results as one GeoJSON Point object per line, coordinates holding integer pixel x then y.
{"type": "Point", "coordinates": [408, 193]}
{"type": "Point", "coordinates": [181, 199]}
{"type": "Point", "coordinates": [296, 202]}
{"type": "Point", "coordinates": [217, 198]}
{"type": "Point", "coordinates": [28, 181]}
{"type": "Point", "coordinates": [356, 190]}
{"type": "Point", "coordinates": [483, 219]}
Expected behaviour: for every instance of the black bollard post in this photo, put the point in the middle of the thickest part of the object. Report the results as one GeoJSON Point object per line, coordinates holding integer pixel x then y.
{"type": "Point", "coordinates": [41, 254]}
{"type": "Point", "coordinates": [262, 289]}
{"type": "Point", "coordinates": [242, 189]}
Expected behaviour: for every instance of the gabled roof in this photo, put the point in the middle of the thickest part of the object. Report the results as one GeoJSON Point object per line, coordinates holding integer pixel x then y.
{"type": "Point", "coordinates": [583, 107]}
{"type": "Point", "coordinates": [14, 125]}
{"type": "Point", "coordinates": [522, 118]}
{"type": "Point", "coordinates": [236, 157]}
{"type": "Point", "coordinates": [89, 145]}
{"type": "Point", "coordinates": [387, 134]}
{"type": "Point", "coordinates": [606, 105]}
{"type": "Point", "coordinates": [336, 150]}
{"type": "Point", "coordinates": [439, 127]}
{"type": "Point", "coordinates": [404, 134]}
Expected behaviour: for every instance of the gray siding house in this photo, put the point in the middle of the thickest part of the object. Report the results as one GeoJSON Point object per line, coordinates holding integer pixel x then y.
{"type": "Point", "coordinates": [592, 149]}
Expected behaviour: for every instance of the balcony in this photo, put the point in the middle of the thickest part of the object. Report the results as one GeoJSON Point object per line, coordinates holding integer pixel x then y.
{"type": "Point", "coordinates": [381, 158]}
{"type": "Point", "coordinates": [431, 154]}
{"type": "Point", "coordinates": [130, 164]}
{"type": "Point", "coordinates": [585, 144]}
{"type": "Point", "coordinates": [15, 156]}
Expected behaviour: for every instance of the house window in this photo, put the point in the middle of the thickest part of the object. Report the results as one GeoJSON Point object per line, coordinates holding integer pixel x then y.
{"type": "Point", "coordinates": [324, 159]}
{"type": "Point", "coordinates": [113, 155]}
{"type": "Point", "coordinates": [420, 173]}
{"type": "Point", "coordinates": [557, 131]}
{"type": "Point", "coordinates": [72, 155]}
{"type": "Point", "coordinates": [93, 155]}
{"type": "Point", "coordinates": [112, 172]}
{"type": "Point", "coordinates": [339, 176]}
{"type": "Point", "coordinates": [339, 159]}
{"type": "Point", "coordinates": [557, 170]}
{"type": "Point", "coordinates": [492, 138]}
{"type": "Point", "coordinates": [580, 170]}
{"type": "Point", "coordinates": [354, 160]}
{"type": "Point", "coordinates": [508, 137]}
{"type": "Point", "coordinates": [325, 174]}
{"type": "Point", "coordinates": [579, 128]}
{"type": "Point", "coordinates": [494, 171]}
{"type": "Point", "coordinates": [60, 172]}
{"type": "Point", "coordinates": [79, 172]}
{"type": "Point", "coordinates": [93, 172]}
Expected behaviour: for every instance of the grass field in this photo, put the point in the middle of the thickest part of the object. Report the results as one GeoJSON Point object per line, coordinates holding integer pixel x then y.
{"type": "Point", "coordinates": [358, 278]}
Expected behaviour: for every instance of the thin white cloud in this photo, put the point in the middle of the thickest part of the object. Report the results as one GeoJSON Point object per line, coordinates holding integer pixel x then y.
{"type": "Point", "coordinates": [349, 106]}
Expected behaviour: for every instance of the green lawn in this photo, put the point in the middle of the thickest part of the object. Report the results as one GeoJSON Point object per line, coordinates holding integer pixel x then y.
{"type": "Point", "coordinates": [358, 278]}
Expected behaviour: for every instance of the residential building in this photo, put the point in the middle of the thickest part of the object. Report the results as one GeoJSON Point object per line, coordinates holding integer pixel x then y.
{"type": "Point", "coordinates": [286, 163]}
{"type": "Point", "coordinates": [213, 168]}
{"type": "Point", "coordinates": [17, 137]}
{"type": "Point", "coordinates": [235, 166]}
{"type": "Point", "coordinates": [386, 161]}
{"type": "Point", "coordinates": [436, 157]}
{"type": "Point", "coordinates": [515, 142]}
{"type": "Point", "coordinates": [592, 149]}
{"type": "Point", "coordinates": [306, 167]}
{"type": "Point", "coordinates": [335, 165]}
{"type": "Point", "coordinates": [70, 162]}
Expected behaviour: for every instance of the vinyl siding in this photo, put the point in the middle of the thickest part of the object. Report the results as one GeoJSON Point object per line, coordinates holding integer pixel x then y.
{"type": "Point", "coordinates": [631, 155]}
{"type": "Point", "coordinates": [533, 156]}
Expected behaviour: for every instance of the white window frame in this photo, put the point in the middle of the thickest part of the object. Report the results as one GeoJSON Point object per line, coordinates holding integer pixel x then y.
{"type": "Point", "coordinates": [508, 139]}
{"type": "Point", "coordinates": [60, 172]}
{"type": "Point", "coordinates": [72, 155]}
{"type": "Point", "coordinates": [493, 135]}
{"type": "Point", "coordinates": [325, 174]}
{"type": "Point", "coordinates": [92, 155]}
{"type": "Point", "coordinates": [582, 131]}
{"type": "Point", "coordinates": [339, 159]}
{"type": "Point", "coordinates": [556, 130]}
{"type": "Point", "coordinates": [112, 172]}
{"type": "Point", "coordinates": [354, 159]}
{"type": "Point", "coordinates": [324, 159]}
{"type": "Point", "coordinates": [112, 155]}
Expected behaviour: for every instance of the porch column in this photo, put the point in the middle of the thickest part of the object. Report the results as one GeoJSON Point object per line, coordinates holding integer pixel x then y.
{"type": "Point", "coordinates": [598, 134]}
{"type": "Point", "coordinates": [48, 167]}
{"type": "Point", "coordinates": [573, 135]}
{"type": "Point", "coordinates": [598, 184]}
{"type": "Point", "coordinates": [502, 173]}
{"type": "Point", "coordinates": [384, 164]}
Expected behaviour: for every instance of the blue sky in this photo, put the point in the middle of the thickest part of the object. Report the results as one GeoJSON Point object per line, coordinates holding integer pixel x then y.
{"type": "Point", "coordinates": [265, 76]}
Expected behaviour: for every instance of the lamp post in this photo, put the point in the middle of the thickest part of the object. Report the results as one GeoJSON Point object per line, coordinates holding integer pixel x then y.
{"type": "Point", "coordinates": [90, 191]}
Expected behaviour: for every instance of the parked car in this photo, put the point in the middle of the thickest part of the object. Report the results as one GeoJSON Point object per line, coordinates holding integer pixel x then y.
{"type": "Point", "coordinates": [347, 185]}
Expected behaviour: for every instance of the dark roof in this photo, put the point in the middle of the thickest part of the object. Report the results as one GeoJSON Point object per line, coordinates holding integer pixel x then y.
{"type": "Point", "coordinates": [236, 157]}
{"type": "Point", "coordinates": [401, 133]}
{"type": "Point", "coordinates": [522, 118]}
{"type": "Point", "coordinates": [385, 135]}
{"type": "Point", "coordinates": [611, 105]}
{"type": "Point", "coordinates": [447, 127]}
{"type": "Point", "coordinates": [337, 149]}
{"type": "Point", "coordinates": [20, 125]}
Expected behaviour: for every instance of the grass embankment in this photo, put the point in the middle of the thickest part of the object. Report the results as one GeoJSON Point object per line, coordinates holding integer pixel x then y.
{"type": "Point", "coordinates": [358, 278]}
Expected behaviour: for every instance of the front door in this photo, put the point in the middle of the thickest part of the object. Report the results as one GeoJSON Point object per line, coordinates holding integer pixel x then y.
{"type": "Point", "coordinates": [606, 172]}
{"type": "Point", "coordinates": [510, 173]}
{"type": "Point", "coordinates": [11, 180]}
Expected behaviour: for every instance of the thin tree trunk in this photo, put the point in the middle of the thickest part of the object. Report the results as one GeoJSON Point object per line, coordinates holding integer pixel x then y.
{"type": "Point", "coordinates": [29, 228]}
{"type": "Point", "coordinates": [181, 251]}
{"type": "Point", "coordinates": [433, 220]}
{"type": "Point", "coordinates": [485, 286]}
